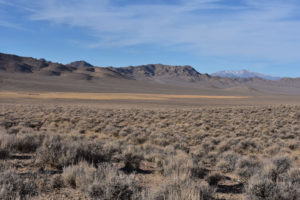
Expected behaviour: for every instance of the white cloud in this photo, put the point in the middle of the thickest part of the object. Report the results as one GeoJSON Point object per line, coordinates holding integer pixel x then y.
{"type": "Point", "coordinates": [257, 29]}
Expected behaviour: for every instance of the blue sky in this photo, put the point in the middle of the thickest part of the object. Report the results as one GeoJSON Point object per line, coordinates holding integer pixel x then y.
{"type": "Point", "coordinates": [210, 35]}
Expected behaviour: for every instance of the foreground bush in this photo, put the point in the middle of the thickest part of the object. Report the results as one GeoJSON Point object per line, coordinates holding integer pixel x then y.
{"type": "Point", "coordinates": [132, 159]}
{"type": "Point", "coordinates": [262, 189]}
{"type": "Point", "coordinates": [104, 182]}
{"type": "Point", "coordinates": [282, 164]}
{"type": "Point", "coordinates": [24, 143]}
{"type": "Point", "coordinates": [181, 180]}
{"type": "Point", "coordinates": [263, 186]}
{"type": "Point", "coordinates": [12, 186]}
{"type": "Point", "coordinates": [228, 162]}
{"type": "Point", "coordinates": [247, 167]}
{"type": "Point", "coordinates": [182, 189]}
{"type": "Point", "coordinates": [60, 152]}
{"type": "Point", "coordinates": [293, 176]}
{"type": "Point", "coordinates": [79, 176]}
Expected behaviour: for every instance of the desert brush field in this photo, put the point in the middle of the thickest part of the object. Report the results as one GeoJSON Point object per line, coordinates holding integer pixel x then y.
{"type": "Point", "coordinates": [60, 151]}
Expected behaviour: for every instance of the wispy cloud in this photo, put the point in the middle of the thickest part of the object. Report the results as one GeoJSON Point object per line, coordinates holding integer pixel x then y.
{"type": "Point", "coordinates": [8, 24]}
{"type": "Point", "coordinates": [252, 28]}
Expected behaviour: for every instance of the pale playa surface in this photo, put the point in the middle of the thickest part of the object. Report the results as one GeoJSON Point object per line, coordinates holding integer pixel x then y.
{"type": "Point", "coordinates": [108, 96]}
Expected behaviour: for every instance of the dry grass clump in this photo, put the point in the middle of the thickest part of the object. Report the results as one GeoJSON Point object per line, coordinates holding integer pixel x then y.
{"type": "Point", "coordinates": [78, 176]}
{"type": "Point", "coordinates": [180, 165]}
{"type": "Point", "coordinates": [182, 189]}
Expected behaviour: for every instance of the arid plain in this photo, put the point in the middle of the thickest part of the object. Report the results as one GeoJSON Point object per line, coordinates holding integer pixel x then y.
{"type": "Point", "coordinates": [143, 146]}
{"type": "Point", "coordinates": [120, 138]}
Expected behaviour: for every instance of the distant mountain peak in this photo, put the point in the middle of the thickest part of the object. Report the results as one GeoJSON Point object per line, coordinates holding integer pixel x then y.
{"type": "Point", "coordinates": [244, 74]}
{"type": "Point", "coordinates": [80, 63]}
{"type": "Point", "coordinates": [160, 73]}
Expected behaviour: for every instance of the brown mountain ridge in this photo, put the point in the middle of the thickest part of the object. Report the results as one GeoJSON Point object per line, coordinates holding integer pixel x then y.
{"type": "Point", "coordinates": [155, 77]}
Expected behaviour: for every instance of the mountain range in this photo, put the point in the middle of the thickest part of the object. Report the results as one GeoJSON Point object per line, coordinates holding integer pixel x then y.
{"type": "Point", "coordinates": [244, 74]}
{"type": "Point", "coordinates": [30, 74]}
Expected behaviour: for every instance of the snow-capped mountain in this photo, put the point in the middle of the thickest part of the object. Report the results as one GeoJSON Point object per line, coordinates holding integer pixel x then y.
{"type": "Point", "coordinates": [244, 74]}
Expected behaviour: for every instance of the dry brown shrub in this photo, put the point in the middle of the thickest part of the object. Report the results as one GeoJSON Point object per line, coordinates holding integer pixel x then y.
{"type": "Point", "coordinates": [104, 182]}
{"type": "Point", "coordinates": [13, 186]}
{"type": "Point", "coordinates": [25, 143]}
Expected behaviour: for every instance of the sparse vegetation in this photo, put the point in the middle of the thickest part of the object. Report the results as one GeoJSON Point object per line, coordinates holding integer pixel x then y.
{"type": "Point", "coordinates": [58, 152]}
{"type": "Point", "coordinates": [14, 186]}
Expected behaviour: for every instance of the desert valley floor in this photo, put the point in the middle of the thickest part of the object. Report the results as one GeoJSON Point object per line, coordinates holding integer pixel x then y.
{"type": "Point", "coordinates": [56, 145]}
{"type": "Point", "coordinates": [150, 132]}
